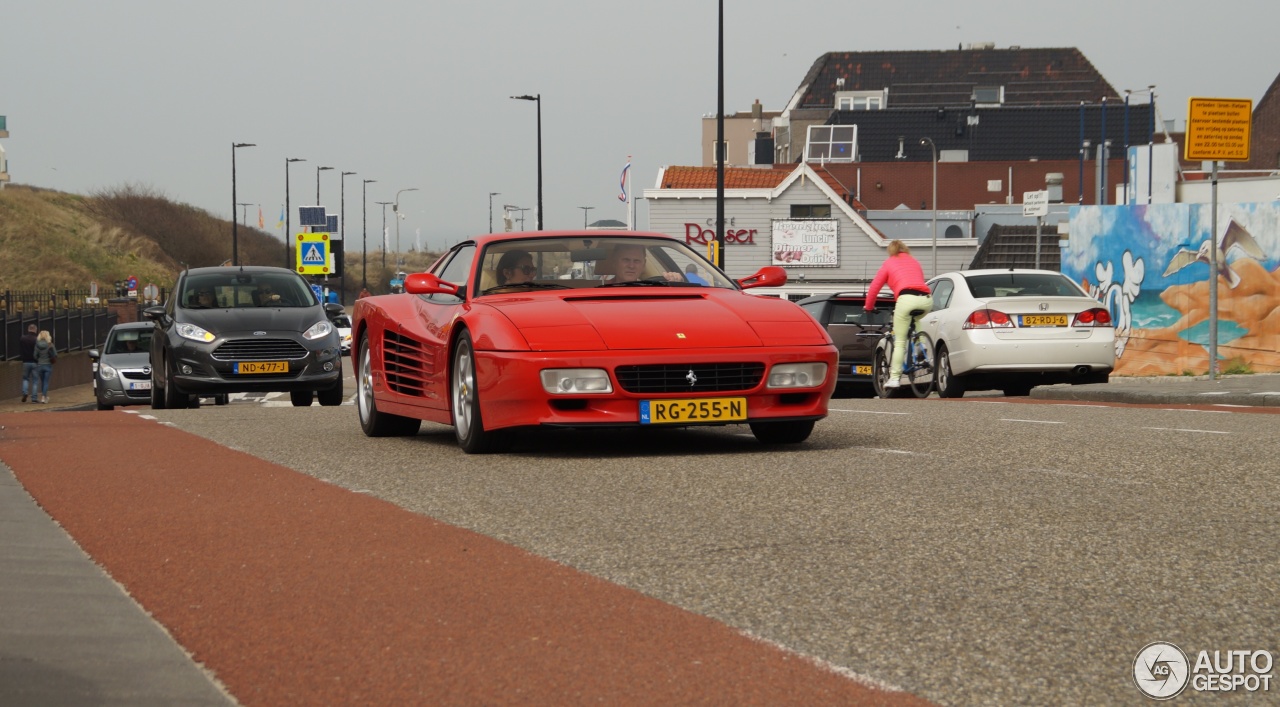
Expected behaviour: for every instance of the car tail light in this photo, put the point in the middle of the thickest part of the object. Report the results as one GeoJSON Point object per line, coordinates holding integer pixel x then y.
{"type": "Point", "coordinates": [988, 319]}
{"type": "Point", "coordinates": [1093, 317]}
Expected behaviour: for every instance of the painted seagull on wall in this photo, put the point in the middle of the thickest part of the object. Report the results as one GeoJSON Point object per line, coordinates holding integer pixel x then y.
{"type": "Point", "coordinates": [1236, 241]}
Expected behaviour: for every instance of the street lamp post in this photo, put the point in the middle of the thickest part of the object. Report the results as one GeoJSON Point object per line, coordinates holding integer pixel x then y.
{"type": "Point", "coordinates": [934, 149]}
{"type": "Point", "coordinates": [235, 233]}
{"type": "Point", "coordinates": [319, 169]}
{"type": "Point", "coordinates": [585, 209]}
{"type": "Point", "coordinates": [341, 257]}
{"type": "Point", "coordinates": [288, 208]}
{"type": "Point", "coordinates": [243, 218]}
{"type": "Point", "coordinates": [537, 99]}
{"type": "Point", "coordinates": [491, 195]}
{"type": "Point", "coordinates": [364, 239]}
{"type": "Point", "coordinates": [395, 208]}
{"type": "Point", "coordinates": [384, 232]}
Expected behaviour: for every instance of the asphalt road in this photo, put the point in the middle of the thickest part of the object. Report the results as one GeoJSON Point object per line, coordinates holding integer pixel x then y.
{"type": "Point", "coordinates": [976, 551]}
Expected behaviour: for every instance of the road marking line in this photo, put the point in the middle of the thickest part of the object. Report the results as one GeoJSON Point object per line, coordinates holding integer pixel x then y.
{"type": "Point", "coordinates": [1179, 429]}
{"type": "Point", "coordinates": [890, 451]}
{"type": "Point", "coordinates": [869, 412]}
{"type": "Point", "coordinates": [839, 670]}
{"type": "Point", "coordinates": [1082, 475]}
{"type": "Point", "coordinates": [1034, 422]}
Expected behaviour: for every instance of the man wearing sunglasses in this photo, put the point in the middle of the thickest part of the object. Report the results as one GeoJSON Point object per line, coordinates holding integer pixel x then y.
{"type": "Point", "coordinates": [515, 267]}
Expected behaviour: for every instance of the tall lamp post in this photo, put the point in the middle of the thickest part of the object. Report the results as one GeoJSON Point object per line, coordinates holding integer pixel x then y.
{"type": "Point", "coordinates": [384, 232]}
{"type": "Point", "coordinates": [288, 209]}
{"type": "Point", "coordinates": [341, 257]}
{"type": "Point", "coordinates": [491, 195]}
{"type": "Point", "coordinates": [243, 218]}
{"type": "Point", "coordinates": [319, 169]}
{"type": "Point", "coordinates": [395, 208]}
{"type": "Point", "coordinates": [934, 149]}
{"type": "Point", "coordinates": [235, 233]}
{"type": "Point", "coordinates": [585, 209]}
{"type": "Point", "coordinates": [537, 99]}
{"type": "Point", "coordinates": [364, 239]}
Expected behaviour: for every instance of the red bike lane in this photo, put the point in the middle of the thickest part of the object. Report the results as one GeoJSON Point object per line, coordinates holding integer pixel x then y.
{"type": "Point", "coordinates": [294, 591]}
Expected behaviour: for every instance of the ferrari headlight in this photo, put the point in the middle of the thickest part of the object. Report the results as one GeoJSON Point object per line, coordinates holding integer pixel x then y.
{"type": "Point", "coordinates": [193, 332]}
{"type": "Point", "coordinates": [317, 330]}
{"type": "Point", "coordinates": [107, 373]}
{"type": "Point", "coordinates": [797, 375]}
{"type": "Point", "coordinates": [576, 381]}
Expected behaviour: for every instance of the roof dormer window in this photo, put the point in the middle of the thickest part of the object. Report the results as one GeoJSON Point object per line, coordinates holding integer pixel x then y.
{"type": "Point", "coordinates": [861, 100]}
{"type": "Point", "coordinates": [988, 96]}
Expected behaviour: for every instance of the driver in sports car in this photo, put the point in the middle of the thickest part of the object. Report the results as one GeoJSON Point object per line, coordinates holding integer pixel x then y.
{"type": "Point", "coordinates": [626, 262]}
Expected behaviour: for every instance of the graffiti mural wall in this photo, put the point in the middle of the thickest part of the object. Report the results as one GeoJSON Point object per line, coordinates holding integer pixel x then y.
{"type": "Point", "coordinates": [1150, 266]}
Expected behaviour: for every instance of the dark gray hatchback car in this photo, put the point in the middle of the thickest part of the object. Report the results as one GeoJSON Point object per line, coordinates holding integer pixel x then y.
{"type": "Point", "coordinates": [244, 329]}
{"type": "Point", "coordinates": [122, 366]}
{"type": "Point", "coordinates": [855, 333]}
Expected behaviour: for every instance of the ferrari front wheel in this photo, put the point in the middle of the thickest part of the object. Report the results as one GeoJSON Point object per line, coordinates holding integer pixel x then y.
{"type": "Point", "coordinates": [464, 397]}
{"type": "Point", "coordinates": [372, 421]}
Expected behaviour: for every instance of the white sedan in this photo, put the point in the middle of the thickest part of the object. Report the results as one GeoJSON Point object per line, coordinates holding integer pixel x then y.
{"type": "Point", "coordinates": [1014, 329]}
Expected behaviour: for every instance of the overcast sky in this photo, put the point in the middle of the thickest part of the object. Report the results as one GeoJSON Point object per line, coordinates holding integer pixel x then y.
{"type": "Point", "coordinates": [100, 95]}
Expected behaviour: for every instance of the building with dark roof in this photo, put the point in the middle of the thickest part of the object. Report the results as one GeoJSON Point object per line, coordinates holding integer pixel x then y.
{"type": "Point", "coordinates": [976, 104]}
{"type": "Point", "coordinates": [1264, 148]}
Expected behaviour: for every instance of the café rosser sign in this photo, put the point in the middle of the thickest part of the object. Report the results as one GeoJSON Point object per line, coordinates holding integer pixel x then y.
{"type": "Point", "coordinates": [696, 233]}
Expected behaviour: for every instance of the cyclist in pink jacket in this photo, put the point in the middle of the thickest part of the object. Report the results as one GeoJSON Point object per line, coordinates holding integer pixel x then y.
{"type": "Point", "coordinates": [905, 277]}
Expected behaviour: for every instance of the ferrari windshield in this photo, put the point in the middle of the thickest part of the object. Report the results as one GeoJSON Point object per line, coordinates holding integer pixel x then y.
{"type": "Point", "coordinates": [576, 262]}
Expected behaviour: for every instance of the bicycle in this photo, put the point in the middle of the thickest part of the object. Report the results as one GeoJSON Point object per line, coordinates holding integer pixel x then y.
{"type": "Point", "coordinates": [917, 365]}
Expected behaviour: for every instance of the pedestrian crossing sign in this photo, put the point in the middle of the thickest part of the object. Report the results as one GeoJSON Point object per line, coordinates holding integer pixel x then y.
{"type": "Point", "coordinates": [313, 253]}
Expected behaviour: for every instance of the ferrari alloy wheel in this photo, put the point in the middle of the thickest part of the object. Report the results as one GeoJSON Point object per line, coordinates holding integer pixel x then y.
{"type": "Point", "coordinates": [373, 422]}
{"type": "Point", "coordinates": [464, 395]}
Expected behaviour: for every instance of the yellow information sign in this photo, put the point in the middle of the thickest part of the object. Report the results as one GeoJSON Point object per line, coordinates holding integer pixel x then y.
{"type": "Point", "coordinates": [313, 253]}
{"type": "Point", "coordinates": [1218, 129]}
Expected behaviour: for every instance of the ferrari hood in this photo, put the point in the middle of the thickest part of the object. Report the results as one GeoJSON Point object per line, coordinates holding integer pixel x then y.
{"type": "Point", "coordinates": [721, 319]}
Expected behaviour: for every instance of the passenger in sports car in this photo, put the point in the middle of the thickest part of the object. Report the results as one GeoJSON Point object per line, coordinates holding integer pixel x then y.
{"type": "Point", "coordinates": [626, 262]}
{"type": "Point", "coordinates": [515, 267]}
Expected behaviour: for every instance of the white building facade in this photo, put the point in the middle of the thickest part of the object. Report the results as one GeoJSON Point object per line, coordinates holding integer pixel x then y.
{"type": "Point", "coordinates": [801, 225]}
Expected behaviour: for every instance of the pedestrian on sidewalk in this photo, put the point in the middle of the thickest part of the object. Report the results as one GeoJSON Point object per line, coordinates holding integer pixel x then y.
{"type": "Point", "coordinates": [27, 349]}
{"type": "Point", "coordinates": [46, 355]}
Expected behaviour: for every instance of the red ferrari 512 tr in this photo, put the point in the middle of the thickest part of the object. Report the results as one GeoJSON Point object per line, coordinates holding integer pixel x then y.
{"type": "Point", "coordinates": [586, 329]}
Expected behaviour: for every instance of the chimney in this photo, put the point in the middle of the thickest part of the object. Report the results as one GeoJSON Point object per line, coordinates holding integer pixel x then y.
{"type": "Point", "coordinates": [1053, 184]}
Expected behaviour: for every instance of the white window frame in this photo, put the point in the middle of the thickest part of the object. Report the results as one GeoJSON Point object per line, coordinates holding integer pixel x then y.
{"type": "Point", "coordinates": [715, 156]}
{"type": "Point", "coordinates": [862, 100]}
{"type": "Point", "coordinates": [820, 150]}
{"type": "Point", "coordinates": [988, 104]}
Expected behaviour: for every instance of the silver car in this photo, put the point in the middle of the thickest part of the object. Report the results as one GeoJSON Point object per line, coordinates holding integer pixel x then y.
{"type": "Point", "coordinates": [122, 367]}
{"type": "Point", "coordinates": [1014, 329]}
